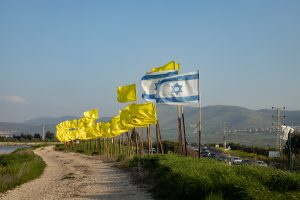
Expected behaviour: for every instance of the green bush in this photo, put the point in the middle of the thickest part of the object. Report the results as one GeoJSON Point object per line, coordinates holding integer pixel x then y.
{"type": "Point", "coordinates": [177, 177]}
{"type": "Point", "coordinates": [19, 167]}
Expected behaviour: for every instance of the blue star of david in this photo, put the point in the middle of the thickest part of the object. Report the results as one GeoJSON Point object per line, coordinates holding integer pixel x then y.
{"type": "Point", "coordinates": [176, 88]}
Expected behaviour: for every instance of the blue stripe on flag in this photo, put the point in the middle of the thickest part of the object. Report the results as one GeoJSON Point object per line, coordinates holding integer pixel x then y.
{"type": "Point", "coordinates": [147, 96]}
{"type": "Point", "coordinates": [178, 99]}
{"type": "Point", "coordinates": [180, 78]}
{"type": "Point", "coordinates": [159, 76]}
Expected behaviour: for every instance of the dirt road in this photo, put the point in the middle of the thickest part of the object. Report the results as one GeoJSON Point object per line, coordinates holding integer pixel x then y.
{"type": "Point", "coordinates": [76, 176]}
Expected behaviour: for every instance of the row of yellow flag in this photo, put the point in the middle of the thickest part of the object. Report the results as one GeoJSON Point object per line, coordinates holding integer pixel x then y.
{"type": "Point", "coordinates": [134, 115]}
{"type": "Point", "coordinates": [87, 127]}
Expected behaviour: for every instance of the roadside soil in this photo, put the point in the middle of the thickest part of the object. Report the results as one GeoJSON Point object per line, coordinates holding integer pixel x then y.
{"type": "Point", "coordinates": [76, 176]}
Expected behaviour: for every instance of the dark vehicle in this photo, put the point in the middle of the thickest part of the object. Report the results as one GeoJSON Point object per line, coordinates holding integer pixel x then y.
{"type": "Point", "coordinates": [223, 158]}
{"type": "Point", "coordinates": [212, 155]}
{"type": "Point", "coordinates": [205, 153]}
{"type": "Point", "coordinates": [247, 162]}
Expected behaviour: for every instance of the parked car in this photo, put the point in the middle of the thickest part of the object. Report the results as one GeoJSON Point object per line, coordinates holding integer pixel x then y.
{"type": "Point", "coordinates": [212, 155]}
{"type": "Point", "coordinates": [236, 160]}
{"type": "Point", "coordinates": [223, 158]}
{"type": "Point", "coordinates": [195, 148]}
{"type": "Point", "coordinates": [260, 163]}
{"type": "Point", "coordinates": [247, 162]}
{"type": "Point", "coordinates": [205, 153]}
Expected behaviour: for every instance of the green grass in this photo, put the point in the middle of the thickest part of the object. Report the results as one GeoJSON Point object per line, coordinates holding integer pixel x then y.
{"type": "Point", "coordinates": [176, 177]}
{"type": "Point", "coordinates": [19, 167]}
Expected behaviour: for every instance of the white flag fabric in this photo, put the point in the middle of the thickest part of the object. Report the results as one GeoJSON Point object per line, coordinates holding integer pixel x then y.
{"type": "Point", "coordinates": [149, 83]}
{"type": "Point", "coordinates": [285, 132]}
{"type": "Point", "coordinates": [179, 90]}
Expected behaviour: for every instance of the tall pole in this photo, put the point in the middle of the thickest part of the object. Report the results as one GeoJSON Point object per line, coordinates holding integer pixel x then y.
{"type": "Point", "coordinates": [179, 129]}
{"type": "Point", "coordinates": [290, 158]}
{"type": "Point", "coordinates": [200, 118]}
{"type": "Point", "coordinates": [224, 135]}
{"type": "Point", "coordinates": [43, 136]}
{"type": "Point", "coordinates": [278, 124]}
{"type": "Point", "coordinates": [160, 143]}
{"type": "Point", "coordinates": [157, 138]}
{"type": "Point", "coordinates": [184, 134]}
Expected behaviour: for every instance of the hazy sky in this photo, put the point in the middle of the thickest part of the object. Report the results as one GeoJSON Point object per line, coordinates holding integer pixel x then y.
{"type": "Point", "coordinates": [64, 57]}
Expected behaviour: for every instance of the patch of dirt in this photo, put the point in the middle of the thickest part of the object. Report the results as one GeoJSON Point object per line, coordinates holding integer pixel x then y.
{"type": "Point", "coordinates": [76, 176]}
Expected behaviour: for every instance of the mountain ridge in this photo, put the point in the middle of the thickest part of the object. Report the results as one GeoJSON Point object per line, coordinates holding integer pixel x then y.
{"type": "Point", "coordinates": [213, 118]}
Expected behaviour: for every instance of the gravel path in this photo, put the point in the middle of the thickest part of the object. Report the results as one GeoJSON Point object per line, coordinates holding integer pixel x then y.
{"type": "Point", "coordinates": [76, 176]}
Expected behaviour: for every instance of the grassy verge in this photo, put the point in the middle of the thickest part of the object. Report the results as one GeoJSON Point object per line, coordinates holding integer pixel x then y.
{"type": "Point", "coordinates": [19, 167]}
{"type": "Point", "coordinates": [176, 177]}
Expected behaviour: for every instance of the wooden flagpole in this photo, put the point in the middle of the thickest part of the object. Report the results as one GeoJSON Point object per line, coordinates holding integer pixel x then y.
{"type": "Point", "coordinates": [148, 136]}
{"type": "Point", "coordinates": [179, 130]}
{"type": "Point", "coordinates": [142, 142]}
{"type": "Point", "coordinates": [128, 144]}
{"type": "Point", "coordinates": [200, 118]}
{"type": "Point", "coordinates": [160, 142]}
{"type": "Point", "coordinates": [184, 134]}
{"type": "Point", "coordinates": [157, 139]}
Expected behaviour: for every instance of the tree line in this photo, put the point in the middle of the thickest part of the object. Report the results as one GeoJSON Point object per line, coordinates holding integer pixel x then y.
{"type": "Point", "coordinates": [49, 136]}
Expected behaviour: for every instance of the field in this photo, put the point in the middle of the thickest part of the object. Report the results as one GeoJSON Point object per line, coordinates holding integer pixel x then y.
{"type": "Point", "coordinates": [19, 167]}
{"type": "Point", "coordinates": [176, 177]}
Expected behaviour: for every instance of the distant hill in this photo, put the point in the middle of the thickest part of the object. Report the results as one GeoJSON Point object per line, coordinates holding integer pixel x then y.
{"type": "Point", "coordinates": [47, 120]}
{"type": "Point", "coordinates": [213, 118]}
{"type": "Point", "coordinates": [36, 125]}
{"type": "Point", "coordinates": [235, 117]}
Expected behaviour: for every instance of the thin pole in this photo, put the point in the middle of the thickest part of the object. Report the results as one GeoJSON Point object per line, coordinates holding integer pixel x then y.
{"type": "Point", "coordinates": [120, 145]}
{"type": "Point", "coordinates": [142, 141]}
{"type": "Point", "coordinates": [224, 136]}
{"type": "Point", "coordinates": [183, 126]}
{"type": "Point", "coordinates": [160, 143]}
{"type": "Point", "coordinates": [157, 139]}
{"type": "Point", "coordinates": [128, 144]}
{"type": "Point", "coordinates": [200, 118]}
{"type": "Point", "coordinates": [179, 129]}
{"type": "Point", "coordinates": [136, 141]}
{"type": "Point", "coordinates": [148, 136]}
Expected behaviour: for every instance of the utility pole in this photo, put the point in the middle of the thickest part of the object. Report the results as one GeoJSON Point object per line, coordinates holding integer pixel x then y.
{"type": "Point", "coordinates": [43, 134]}
{"type": "Point", "coordinates": [278, 116]}
{"type": "Point", "coordinates": [224, 135]}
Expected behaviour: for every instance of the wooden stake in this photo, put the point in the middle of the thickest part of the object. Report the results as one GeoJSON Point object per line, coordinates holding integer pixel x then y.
{"type": "Point", "coordinates": [179, 130]}
{"type": "Point", "coordinates": [148, 137]}
{"type": "Point", "coordinates": [157, 140]}
{"type": "Point", "coordinates": [184, 135]}
{"type": "Point", "coordinates": [142, 141]}
{"type": "Point", "coordinates": [160, 142]}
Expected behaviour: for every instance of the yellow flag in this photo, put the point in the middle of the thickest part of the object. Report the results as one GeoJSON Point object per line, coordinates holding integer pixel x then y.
{"type": "Point", "coordinates": [138, 115]}
{"type": "Point", "coordinates": [73, 123]}
{"type": "Point", "coordinates": [59, 132]}
{"type": "Point", "coordinates": [98, 132]}
{"type": "Point", "coordinates": [87, 128]}
{"type": "Point", "coordinates": [126, 119]}
{"type": "Point", "coordinates": [105, 129]}
{"type": "Point", "coordinates": [170, 66]}
{"type": "Point", "coordinates": [126, 93]}
{"type": "Point", "coordinates": [116, 127]}
{"type": "Point", "coordinates": [92, 114]}
{"type": "Point", "coordinates": [145, 111]}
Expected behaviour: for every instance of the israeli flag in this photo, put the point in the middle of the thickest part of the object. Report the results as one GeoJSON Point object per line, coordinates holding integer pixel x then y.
{"type": "Point", "coordinates": [149, 83]}
{"type": "Point", "coordinates": [179, 90]}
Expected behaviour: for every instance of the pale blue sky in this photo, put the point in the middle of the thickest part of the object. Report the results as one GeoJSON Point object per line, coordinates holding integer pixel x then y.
{"type": "Point", "coordinates": [64, 57]}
